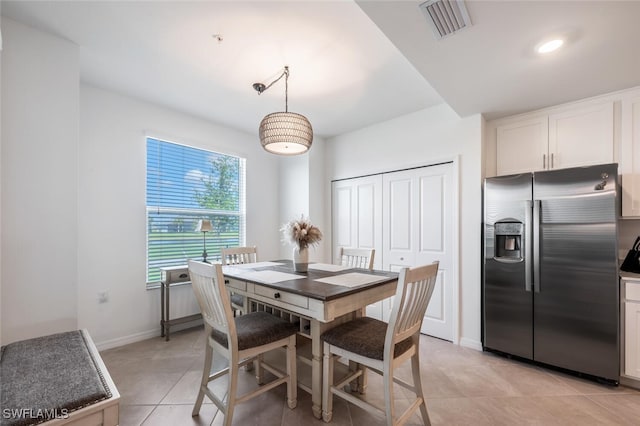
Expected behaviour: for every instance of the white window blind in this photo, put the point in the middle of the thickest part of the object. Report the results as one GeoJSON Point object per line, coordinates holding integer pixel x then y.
{"type": "Point", "coordinates": [184, 185]}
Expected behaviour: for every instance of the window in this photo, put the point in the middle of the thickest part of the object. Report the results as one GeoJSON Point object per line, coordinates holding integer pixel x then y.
{"type": "Point", "coordinates": [185, 185]}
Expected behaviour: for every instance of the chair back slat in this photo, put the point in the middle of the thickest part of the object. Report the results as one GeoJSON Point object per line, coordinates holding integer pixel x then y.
{"type": "Point", "coordinates": [356, 258]}
{"type": "Point", "coordinates": [207, 282]}
{"type": "Point", "coordinates": [239, 255]}
{"type": "Point", "coordinates": [414, 291]}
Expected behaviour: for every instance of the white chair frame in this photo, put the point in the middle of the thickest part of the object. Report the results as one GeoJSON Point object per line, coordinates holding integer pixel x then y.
{"type": "Point", "coordinates": [415, 287]}
{"type": "Point", "coordinates": [238, 256]}
{"type": "Point", "coordinates": [208, 285]}
{"type": "Point", "coordinates": [356, 258]}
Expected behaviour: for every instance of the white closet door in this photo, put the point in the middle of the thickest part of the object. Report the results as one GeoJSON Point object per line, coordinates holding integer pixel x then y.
{"type": "Point", "coordinates": [357, 220]}
{"type": "Point", "coordinates": [356, 215]}
{"type": "Point", "coordinates": [417, 230]}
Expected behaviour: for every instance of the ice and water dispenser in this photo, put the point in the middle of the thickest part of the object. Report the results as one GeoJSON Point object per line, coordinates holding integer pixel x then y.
{"type": "Point", "coordinates": [509, 236]}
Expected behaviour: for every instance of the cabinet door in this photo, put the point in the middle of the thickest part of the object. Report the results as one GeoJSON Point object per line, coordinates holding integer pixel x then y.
{"type": "Point", "coordinates": [632, 339]}
{"type": "Point", "coordinates": [581, 136]}
{"type": "Point", "coordinates": [522, 146]}
{"type": "Point", "coordinates": [630, 157]}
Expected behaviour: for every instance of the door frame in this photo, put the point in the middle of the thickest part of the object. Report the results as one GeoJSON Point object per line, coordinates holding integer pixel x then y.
{"type": "Point", "coordinates": [455, 164]}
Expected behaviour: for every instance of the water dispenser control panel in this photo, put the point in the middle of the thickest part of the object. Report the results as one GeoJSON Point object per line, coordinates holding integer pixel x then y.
{"type": "Point", "coordinates": [509, 238]}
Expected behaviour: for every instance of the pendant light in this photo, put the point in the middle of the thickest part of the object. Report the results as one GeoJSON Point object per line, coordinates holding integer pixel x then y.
{"type": "Point", "coordinates": [284, 133]}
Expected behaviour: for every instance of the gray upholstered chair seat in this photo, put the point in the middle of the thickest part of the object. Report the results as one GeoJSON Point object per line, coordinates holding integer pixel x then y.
{"type": "Point", "coordinates": [364, 336]}
{"type": "Point", "coordinates": [237, 299]}
{"type": "Point", "coordinates": [257, 329]}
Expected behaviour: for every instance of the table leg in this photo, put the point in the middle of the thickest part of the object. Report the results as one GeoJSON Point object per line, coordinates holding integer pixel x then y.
{"type": "Point", "coordinates": [317, 352]}
{"type": "Point", "coordinates": [316, 368]}
{"type": "Point", "coordinates": [167, 324]}
{"type": "Point", "coordinates": [161, 309]}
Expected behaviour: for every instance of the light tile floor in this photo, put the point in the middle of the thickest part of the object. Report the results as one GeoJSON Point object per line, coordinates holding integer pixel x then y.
{"type": "Point", "coordinates": [158, 382]}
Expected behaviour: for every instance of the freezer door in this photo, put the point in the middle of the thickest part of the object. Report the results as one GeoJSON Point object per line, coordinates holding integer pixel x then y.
{"type": "Point", "coordinates": [576, 279]}
{"type": "Point", "coordinates": [507, 296]}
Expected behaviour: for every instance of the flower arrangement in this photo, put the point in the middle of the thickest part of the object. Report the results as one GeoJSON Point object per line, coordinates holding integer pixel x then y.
{"type": "Point", "coordinates": [301, 232]}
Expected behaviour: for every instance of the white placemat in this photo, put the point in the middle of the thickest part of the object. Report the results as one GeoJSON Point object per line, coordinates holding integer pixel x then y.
{"type": "Point", "coordinates": [352, 279]}
{"type": "Point", "coordinates": [327, 267]}
{"type": "Point", "coordinates": [271, 277]}
{"type": "Point", "coordinates": [256, 265]}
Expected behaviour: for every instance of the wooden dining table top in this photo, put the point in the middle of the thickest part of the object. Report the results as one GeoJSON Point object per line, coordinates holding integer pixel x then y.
{"type": "Point", "coordinates": [307, 285]}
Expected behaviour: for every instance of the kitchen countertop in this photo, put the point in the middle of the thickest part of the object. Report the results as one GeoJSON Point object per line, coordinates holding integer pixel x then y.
{"type": "Point", "coordinates": [630, 276]}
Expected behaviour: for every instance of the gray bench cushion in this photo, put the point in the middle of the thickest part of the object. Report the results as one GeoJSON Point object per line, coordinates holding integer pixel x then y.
{"type": "Point", "coordinates": [47, 376]}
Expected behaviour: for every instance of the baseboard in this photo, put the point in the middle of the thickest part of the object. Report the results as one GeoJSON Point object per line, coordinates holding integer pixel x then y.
{"type": "Point", "coordinates": [470, 343]}
{"type": "Point", "coordinates": [125, 340]}
{"type": "Point", "coordinates": [630, 382]}
{"type": "Point", "coordinates": [144, 335]}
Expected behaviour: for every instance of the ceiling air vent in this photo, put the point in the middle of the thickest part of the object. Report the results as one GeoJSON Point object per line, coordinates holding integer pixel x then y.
{"type": "Point", "coordinates": [446, 16]}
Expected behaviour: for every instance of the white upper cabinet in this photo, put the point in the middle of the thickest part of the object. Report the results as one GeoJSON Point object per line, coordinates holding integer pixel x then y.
{"type": "Point", "coordinates": [577, 136]}
{"type": "Point", "coordinates": [581, 137]}
{"type": "Point", "coordinates": [630, 158]}
{"type": "Point", "coordinates": [522, 146]}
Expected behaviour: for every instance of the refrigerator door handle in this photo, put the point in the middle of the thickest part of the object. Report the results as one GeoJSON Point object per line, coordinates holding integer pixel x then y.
{"type": "Point", "coordinates": [527, 246]}
{"type": "Point", "coordinates": [536, 245]}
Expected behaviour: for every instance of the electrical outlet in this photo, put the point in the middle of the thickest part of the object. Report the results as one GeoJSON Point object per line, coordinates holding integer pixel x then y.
{"type": "Point", "coordinates": [103, 296]}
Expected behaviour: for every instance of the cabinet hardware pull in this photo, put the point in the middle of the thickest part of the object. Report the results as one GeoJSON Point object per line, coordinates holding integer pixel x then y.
{"type": "Point", "coordinates": [184, 275]}
{"type": "Point", "coordinates": [552, 160]}
{"type": "Point", "coordinates": [544, 161]}
{"type": "Point", "coordinates": [276, 296]}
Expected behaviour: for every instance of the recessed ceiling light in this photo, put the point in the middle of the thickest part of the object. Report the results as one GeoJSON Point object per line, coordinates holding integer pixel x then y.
{"type": "Point", "coordinates": [550, 46]}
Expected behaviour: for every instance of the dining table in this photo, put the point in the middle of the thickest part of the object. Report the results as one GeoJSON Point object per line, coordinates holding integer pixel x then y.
{"type": "Point", "coordinates": [318, 299]}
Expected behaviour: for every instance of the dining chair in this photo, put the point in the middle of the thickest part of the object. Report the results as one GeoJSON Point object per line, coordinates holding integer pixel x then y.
{"type": "Point", "coordinates": [382, 348]}
{"type": "Point", "coordinates": [356, 258]}
{"type": "Point", "coordinates": [241, 340]}
{"type": "Point", "coordinates": [238, 256]}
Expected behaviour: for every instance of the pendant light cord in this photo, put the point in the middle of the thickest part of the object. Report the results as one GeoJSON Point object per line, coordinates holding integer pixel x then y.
{"type": "Point", "coordinates": [262, 88]}
{"type": "Point", "coordinates": [286, 89]}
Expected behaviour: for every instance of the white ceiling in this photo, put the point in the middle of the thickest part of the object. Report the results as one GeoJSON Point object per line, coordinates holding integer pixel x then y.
{"type": "Point", "coordinates": [491, 67]}
{"type": "Point", "coordinates": [346, 73]}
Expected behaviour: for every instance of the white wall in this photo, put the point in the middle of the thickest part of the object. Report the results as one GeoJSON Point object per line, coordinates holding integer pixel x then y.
{"type": "Point", "coordinates": [422, 138]}
{"type": "Point", "coordinates": [111, 200]}
{"type": "Point", "coordinates": [39, 183]}
{"type": "Point", "coordinates": [302, 188]}
{"type": "Point", "coordinates": [294, 187]}
{"type": "Point", "coordinates": [318, 185]}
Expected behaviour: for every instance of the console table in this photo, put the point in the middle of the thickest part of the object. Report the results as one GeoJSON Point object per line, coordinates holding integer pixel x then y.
{"type": "Point", "coordinates": [170, 277]}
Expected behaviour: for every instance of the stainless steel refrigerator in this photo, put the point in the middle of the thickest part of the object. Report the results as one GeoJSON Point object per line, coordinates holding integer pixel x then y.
{"type": "Point", "coordinates": [550, 273]}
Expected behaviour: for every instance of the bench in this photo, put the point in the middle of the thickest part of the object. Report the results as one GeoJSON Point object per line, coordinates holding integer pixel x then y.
{"type": "Point", "coordinates": [58, 379]}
